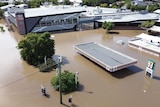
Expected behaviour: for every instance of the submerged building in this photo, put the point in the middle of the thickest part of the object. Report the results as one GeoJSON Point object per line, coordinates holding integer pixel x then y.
{"type": "Point", "coordinates": [44, 19]}
{"type": "Point", "coordinates": [51, 18]}
{"type": "Point", "coordinates": [147, 43]}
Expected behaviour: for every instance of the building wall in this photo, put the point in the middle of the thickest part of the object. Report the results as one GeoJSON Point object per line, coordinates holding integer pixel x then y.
{"type": "Point", "coordinates": [51, 23]}
{"type": "Point", "coordinates": [31, 22]}
{"type": "Point", "coordinates": [21, 23]}
{"type": "Point", "coordinates": [12, 19]}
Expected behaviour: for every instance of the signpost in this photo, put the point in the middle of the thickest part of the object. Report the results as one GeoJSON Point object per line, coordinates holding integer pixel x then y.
{"type": "Point", "coordinates": [150, 68]}
{"type": "Point", "coordinates": [76, 78]}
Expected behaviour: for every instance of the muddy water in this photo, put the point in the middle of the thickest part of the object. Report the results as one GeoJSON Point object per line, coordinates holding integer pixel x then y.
{"type": "Point", "coordinates": [20, 83]}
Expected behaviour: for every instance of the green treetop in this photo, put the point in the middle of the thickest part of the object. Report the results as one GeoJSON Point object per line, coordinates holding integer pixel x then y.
{"type": "Point", "coordinates": [35, 47]}
{"type": "Point", "coordinates": [68, 80]}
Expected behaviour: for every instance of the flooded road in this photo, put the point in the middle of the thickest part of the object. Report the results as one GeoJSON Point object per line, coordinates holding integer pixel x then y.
{"type": "Point", "coordinates": [20, 83]}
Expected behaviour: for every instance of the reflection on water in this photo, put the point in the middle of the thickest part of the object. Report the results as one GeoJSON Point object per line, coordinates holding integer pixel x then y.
{"type": "Point", "coordinates": [124, 88]}
{"type": "Point", "coordinates": [147, 83]}
{"type": "Point", "coordinates": [126, 72]}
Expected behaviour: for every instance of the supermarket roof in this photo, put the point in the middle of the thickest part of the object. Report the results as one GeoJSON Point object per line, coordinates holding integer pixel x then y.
{"type": "Point", "coordinates": [45, 11]}
{"type": "Point", "coordinates": [108, 58]}
{"type": "Point", "coordinates": [35, 12]}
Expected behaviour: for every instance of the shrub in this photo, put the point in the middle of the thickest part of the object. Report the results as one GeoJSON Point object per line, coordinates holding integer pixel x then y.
{"type": "Point", "coordinates": [67, 82]}
{"type": "Point", "coordinates": [48, 66]}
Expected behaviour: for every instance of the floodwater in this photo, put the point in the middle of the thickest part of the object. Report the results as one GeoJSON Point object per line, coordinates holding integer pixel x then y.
{"type": "Point", "coordinates": [20, 83]}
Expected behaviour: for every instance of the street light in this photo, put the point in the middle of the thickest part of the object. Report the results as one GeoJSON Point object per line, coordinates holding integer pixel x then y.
{"type": "Point", "coordinates": [60, 83]}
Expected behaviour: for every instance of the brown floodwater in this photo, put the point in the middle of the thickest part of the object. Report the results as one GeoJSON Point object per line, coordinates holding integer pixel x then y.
{"type": "Point", "coordinates": [20, 83]}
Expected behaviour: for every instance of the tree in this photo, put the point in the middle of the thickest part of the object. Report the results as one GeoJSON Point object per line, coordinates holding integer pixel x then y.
{"type": "Point", "coordinates": [34, 47]}
{"type": "Point", "coordinates": [33, 3]}
{"type": "Point", "coordinates": [67, 80]}
{"type": "Point", "coordinates": [37, 3]}
{"type": "Point", "coordinates": [128, 5]}
{"type": "Point", "coordinates": [3, 4]}
{"type": "Point", "coordinates": [1, 13]}
{"type": "Point", "coordinates": [147, 24]}
{"type": "Point", "coordinates": [97, 2]}
{"type": "Point", "coordinates": [108, 26]}
{"type": "Point", "coordinates": [153, 7]}
{"type": "Point", "coordinates": [17, 2]}
{"type": "Point", "coordinates": [104, 5]}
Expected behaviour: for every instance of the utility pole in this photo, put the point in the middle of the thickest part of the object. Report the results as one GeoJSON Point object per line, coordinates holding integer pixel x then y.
{"type": "Point", "coordinates": [60, 82]}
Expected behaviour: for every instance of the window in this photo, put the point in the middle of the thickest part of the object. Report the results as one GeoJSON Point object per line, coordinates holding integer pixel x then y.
{"type": "Point", "coordinates": [74, 20]}
{"type": "Point", "coordinates": [69, 21]}
{"type": "Point", "coordinates": [48, 23]}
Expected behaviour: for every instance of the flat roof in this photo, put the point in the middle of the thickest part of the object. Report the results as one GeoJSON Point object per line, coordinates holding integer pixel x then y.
{"type": "Point", "coordinates": [157, 11]}
{"type": "Point", "coordinates": [108, 58]}
{"type": "Point", "coordinates": [107, 14]}
{"type": "Point", "coordinates": [35, 12]}
{"type": "Point", "coordinates": [7, 6]}
{"type": "Point", "coordinates": [154, 28]}
{"type": "Point", "coordinates": [98, 11]}
{"type": "Point", "coordinates": [118, 15]}
{"type": "Point", "coordinates": [147, 43]}
{"type": "Point", "coordinates": [147, 37]}
{"type": "Point", "coordinates": [123, 17]}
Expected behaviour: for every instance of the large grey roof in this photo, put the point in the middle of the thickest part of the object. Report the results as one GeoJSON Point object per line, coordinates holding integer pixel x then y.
{"type": "Point", "coordinates": [104, 55]}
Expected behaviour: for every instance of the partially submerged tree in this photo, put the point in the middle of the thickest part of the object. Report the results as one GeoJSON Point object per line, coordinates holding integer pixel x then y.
{"type": "Point", "coordinates": [35, 47]}
{"type": "Point", "coordinates": [108, 26]}
{"type": "Point", "coordinates": [147, 24]}
{"type": "Point", "coordinates": [68, 81]}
